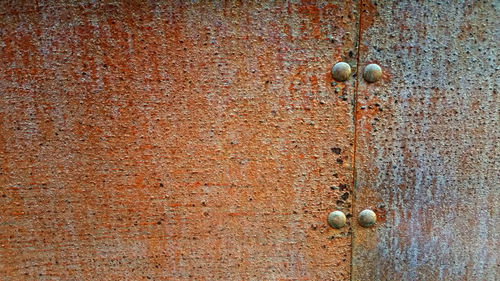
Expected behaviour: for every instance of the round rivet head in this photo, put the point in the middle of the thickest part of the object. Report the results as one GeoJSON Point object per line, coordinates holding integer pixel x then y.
{"type": "Point", "coordinates": [341, 71]}
{"type": "Point", "coordinates": [336, 219]}
{"type": "Point", "coordinates": [372, 73]}
{"type": "Point", "coordinates": [367, 218]}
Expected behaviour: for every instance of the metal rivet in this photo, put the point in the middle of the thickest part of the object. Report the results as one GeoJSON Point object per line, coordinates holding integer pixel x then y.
{"type": "Point", "coordinates": [341, 71]}
{"type": "Point", "coordinates": [336, 219]}
{"type": "Point", "coordinates": [367, 218]}
{"type": "Point", "coordinates": [372, 73]}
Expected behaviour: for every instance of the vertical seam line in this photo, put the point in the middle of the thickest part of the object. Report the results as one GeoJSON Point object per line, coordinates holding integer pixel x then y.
{"type": "Point", "coordinates": [355, 138]}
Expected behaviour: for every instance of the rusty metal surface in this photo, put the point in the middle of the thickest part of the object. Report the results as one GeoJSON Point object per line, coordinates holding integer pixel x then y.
{"type": "Point", "coordinates": [199, 141]}
{"type": "Point", "coordinates": [427, 141]}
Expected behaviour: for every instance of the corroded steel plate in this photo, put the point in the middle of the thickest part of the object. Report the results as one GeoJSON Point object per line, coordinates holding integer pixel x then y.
{"type": "Point", "coordinates": [182, 141]}
{"type": "Point", "coordinates": [427, 149]}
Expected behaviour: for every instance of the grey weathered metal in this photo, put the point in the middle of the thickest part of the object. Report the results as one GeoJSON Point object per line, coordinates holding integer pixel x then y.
{"type": "Point", "coordinates": [427, 141]}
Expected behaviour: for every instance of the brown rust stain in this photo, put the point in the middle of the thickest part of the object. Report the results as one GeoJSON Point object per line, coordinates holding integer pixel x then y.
{"type": "Point", "coordinates": [368, 11]}
{"type": "Point", "coordinates": [178, 141]}
{"type": "Point", "coordinates": [427, 162]}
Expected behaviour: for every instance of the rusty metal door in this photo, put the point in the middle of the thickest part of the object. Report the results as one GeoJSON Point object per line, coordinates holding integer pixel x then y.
{"type": "Point", "coordinates": [175, 141]}
{"type": "Point", "coordinates": [427, 141]}
{"type": "Point", "coordinates": [209, 141]}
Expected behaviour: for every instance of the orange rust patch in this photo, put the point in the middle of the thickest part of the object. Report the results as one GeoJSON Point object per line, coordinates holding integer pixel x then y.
{"type": "Point", "coordinates": [174, 141]}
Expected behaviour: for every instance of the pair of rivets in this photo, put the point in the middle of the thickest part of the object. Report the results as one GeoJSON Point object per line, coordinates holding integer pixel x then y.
{"type": "Point", "coordinates": [341, 71]}
{"type": "Point", "coordinates": [366, 218]}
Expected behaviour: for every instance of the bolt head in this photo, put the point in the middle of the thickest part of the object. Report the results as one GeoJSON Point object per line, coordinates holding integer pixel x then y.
{"type": "Point", "coordinates": [367, 218]}
{"type": "Point", "coordinates": [336, 219]}
{"type": "Point", "coordinates": [341, 71]}
{"type": "Point", "coordinates": [372, 73]}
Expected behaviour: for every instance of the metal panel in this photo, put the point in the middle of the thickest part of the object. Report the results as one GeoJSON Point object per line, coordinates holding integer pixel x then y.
{"type": "Point", "coordinates": [198, 141]}
{"type": "Point", "coordinates": [427, 148]}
